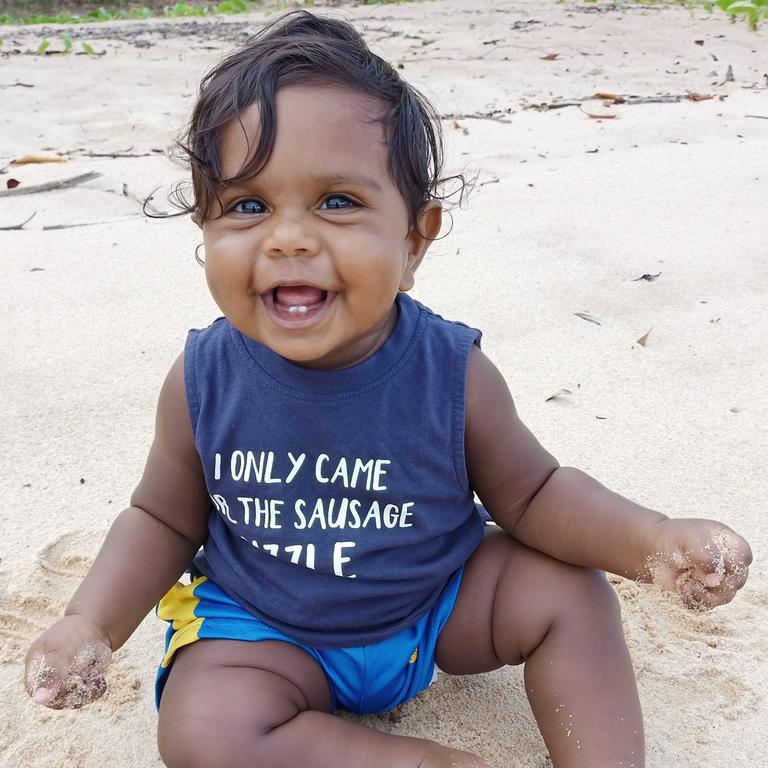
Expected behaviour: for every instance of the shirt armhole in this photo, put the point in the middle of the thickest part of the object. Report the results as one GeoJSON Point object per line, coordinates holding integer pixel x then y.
{"type": "Point", "coordinates": [471, 338]}
{"type": "Point", "coordinates": [190, 379]}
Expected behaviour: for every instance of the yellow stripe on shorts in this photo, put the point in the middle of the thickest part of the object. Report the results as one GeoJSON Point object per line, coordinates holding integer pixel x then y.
{"type": "Point", "coordinates": [178, 605]}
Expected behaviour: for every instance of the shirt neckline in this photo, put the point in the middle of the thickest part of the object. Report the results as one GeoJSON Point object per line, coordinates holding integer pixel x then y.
{"type": "Point", "coordinates": [379, 365]}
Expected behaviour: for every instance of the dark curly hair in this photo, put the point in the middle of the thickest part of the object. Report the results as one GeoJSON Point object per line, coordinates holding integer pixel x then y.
{"type": "Point", "coordinates": [301, 47]}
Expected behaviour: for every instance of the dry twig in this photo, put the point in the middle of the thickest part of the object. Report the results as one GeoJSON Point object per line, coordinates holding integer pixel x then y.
{"type": "Point", "coordinates": [615, 99]}
{"type": "Point", "coordinates": [51, 227]}
{"type": "Point", "coordinates": [72, 181]}
{"type": "Point", "coordinates": [19, 226]}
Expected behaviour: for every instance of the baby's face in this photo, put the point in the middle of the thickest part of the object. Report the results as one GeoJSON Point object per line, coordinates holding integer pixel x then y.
{"type": "Point", "coordinates": [307, 256]}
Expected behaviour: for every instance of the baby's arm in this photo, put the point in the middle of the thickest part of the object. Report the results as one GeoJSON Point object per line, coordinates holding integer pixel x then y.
{"type": "Point", "coordinates": [570, 516]}
{"type": "Point", "coordinates": [147, 548]}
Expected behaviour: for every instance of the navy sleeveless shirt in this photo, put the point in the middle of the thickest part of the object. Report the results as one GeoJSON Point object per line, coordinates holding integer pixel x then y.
{"type": "Point", "coordinates": [341, 505]}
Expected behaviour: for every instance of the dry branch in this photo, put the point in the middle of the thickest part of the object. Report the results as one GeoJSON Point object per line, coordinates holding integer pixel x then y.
{"type": "Point", "coordinates": [19, 226]}
{"type": "Point", "coordinates": [615, 99]}
{"type": "Point", "coordinates": [72, 181]}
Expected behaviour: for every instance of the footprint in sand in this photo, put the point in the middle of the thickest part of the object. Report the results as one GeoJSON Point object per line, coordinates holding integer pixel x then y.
{"type": "Point", "coordinates": [22, 619]}
{"type": "Point", "coordinates": [734, 697]}
{"type": "Point", "coordinates": [60, 566]}
{"type": "Point", "coordinates": [726, 694]}
{"type": "Point", "coordinates": [70, 555]}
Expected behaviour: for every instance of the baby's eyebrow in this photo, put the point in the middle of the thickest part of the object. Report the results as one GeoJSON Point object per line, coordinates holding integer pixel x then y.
{"type": "Point", "coordinates": [332, 180]}
{"type": "Point", "coordinates": [351, 179]}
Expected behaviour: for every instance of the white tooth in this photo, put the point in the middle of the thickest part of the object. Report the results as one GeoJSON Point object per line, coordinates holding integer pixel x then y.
{"type": "Point", "coordinates": [294, 309]}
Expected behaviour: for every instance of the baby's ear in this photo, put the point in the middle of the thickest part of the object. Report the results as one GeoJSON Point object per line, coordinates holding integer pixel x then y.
{"type": "Point", "coordinates": [420, 237]}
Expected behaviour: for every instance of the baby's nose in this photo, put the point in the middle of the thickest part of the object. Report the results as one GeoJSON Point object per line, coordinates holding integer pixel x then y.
{"type": "Point", "coordinates": [291, 236]}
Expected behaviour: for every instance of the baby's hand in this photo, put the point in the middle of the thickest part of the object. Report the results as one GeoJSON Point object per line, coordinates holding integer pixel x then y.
{"type": "Point", "coordinates": [704, 561]}
{"type": "Point", "coordinates": [65, 665]}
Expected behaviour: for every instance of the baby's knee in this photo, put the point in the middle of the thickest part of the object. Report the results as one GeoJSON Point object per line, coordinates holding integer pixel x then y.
{"type": "Point", "coordinates": [556, 587]}
{"type": "Point", "coordinates": [589, 586]}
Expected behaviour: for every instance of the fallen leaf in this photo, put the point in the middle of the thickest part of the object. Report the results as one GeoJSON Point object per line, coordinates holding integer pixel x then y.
{"type": "Point", "coordinates": [562, 392]}
{"type": "Point", "coordinates": [12, 183]}
{"type": "Point", "coordinates": [550, 57]}
{"type": "Point", "coordinates": [643, 339]}
{"type": "Point", "coordinates": [29, 159]}
{"type": "Point", "coordinates": [698, 96]}
{"type": "Point", "coordinates": [589, 318]}
{"type": "Point", "coordinates": [610, 97]}
{"type": "Point", "coordinates": [650, 278]}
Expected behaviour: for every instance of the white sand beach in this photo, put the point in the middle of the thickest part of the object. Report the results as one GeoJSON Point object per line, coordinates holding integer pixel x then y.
{"type": "Point", "coordinates": [568, 214]}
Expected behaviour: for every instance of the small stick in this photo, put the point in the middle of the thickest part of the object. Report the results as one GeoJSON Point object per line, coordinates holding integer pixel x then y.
{"type": "Point", "coordinates": [49, 185]}
{"type": "Point", "coordinates": [118, 154]}
{"type": "Point", "coordinates": [19, 226]}
{"type": "Point", "coordinates": [666, 99]}
{"type": "Point", "coordinates": [494, 115]}
{"type": "Point", "coordinates": [51, 227]}
{"type": "Point", "coordinates": [555, 105]}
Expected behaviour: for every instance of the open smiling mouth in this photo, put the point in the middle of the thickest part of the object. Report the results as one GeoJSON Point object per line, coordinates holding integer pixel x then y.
{"type": "Point", "coordinates": [297, 306]}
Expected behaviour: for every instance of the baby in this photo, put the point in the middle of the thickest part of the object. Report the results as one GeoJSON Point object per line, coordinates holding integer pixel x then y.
{"type": "Point", "coordinates": [317, 456]}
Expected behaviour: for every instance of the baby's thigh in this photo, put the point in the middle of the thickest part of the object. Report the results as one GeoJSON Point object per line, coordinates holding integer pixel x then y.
{"type": "Point", "coordinates": [510, 597]}
{"type": "Point", "coordinates": [220, 694]}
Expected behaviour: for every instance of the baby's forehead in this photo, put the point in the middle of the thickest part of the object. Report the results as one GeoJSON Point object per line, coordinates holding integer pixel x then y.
{"type": "Point", "coordinates": [314, 124]}
{"type": "Point", "coordinates": [304, 100]}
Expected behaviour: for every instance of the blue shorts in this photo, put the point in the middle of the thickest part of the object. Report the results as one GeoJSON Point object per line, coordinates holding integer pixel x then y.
{"type": "Point", "coordinates": [363, 679]}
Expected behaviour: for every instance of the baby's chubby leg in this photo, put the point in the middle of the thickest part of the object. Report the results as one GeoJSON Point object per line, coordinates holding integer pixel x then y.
{"type": "Point", "coordinates": [233, 704]}
{"type": "Point", "coordinates": [517, 605]}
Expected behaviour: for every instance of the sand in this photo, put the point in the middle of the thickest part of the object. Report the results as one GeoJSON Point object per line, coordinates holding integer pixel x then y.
{"type": "Point", "coordinates": [567, 213]}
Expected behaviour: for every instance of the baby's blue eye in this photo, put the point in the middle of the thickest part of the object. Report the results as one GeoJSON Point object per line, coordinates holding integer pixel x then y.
{"type": "Point", "coordinates": [337, 202]}
{"type": "Point", "coordinates": [249, 206]}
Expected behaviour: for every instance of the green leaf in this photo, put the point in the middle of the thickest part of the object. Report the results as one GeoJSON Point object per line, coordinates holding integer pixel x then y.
{"type": "Point", "coordinates": [43, 47]}
{"type": "Point", "coordinates": [67, 41]}
{"type": "Point", "coordinates": [183, 9]}
{"type": "Point", "coordinates": [88, 48]}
